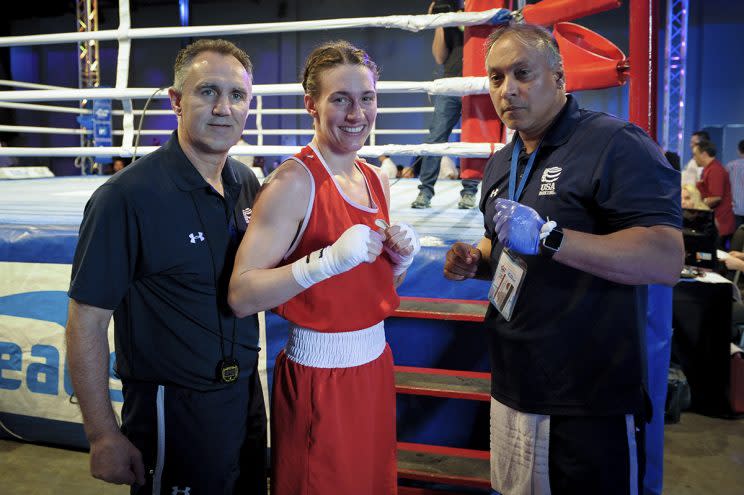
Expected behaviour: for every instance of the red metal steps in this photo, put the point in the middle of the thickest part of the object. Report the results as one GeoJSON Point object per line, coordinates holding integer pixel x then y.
{"type": "Point", "coordinates": [446, 465]}
{"type": "Point", "coordinates": [441, 309]}
{"type": "Point", "coordinates": [410, 490]}
{"type": "Point", "coordinates": [451, 384]}
{"type": "Point", "coordinates": [431, 463]}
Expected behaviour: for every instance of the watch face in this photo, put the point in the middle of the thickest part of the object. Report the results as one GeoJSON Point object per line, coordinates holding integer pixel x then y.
{"type": "Point", "coordinates": [554, 240]}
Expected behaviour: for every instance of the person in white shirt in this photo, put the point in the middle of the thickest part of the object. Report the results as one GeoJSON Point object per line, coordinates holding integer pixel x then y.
{"type": "Point", "coordinates": [692, 173]}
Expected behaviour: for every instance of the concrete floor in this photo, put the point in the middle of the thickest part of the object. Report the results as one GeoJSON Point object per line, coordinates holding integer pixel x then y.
{"type": "Point", "coordinates": [28, 469]}
{"type": "Point", "coordinates": [702, 456]}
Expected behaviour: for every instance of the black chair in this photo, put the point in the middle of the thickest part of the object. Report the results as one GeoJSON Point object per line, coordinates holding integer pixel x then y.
{"type": "Point", "coordinates": [737, 240]}
{"type": "Point", "coordinates": [700, 234]}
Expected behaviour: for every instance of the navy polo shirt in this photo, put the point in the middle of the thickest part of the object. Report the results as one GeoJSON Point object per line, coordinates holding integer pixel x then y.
{"type": "Point", "coordinates": [575, 343]}
{"type": "Point", "coordinates": [152, 239]}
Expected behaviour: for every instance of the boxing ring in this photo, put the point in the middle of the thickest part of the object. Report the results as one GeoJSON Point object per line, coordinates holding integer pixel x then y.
{"type": "Point", "coordinates": [437, 327]}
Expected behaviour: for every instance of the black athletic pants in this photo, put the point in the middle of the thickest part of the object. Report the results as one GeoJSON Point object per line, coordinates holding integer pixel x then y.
{"type": "Point", "coordinates": [198, 443]}
{"type": "Point", "coordinates": [596, 455]}
{"type": "Point", "coordinates": [600, 455]}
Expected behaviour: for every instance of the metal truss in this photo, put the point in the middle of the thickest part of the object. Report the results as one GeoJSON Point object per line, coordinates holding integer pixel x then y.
{"type": "Point", "coordinates": [675, 52]}
{"type": "Point", "coordinates": [88, 66]}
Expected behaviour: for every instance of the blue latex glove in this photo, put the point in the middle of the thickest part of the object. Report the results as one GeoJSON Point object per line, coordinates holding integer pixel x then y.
{"type": "Point", "coordinates": [517, 226]}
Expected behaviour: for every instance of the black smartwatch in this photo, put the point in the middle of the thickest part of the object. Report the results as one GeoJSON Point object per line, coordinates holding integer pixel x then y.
{"type": "Point", "coordinates": [552, 243]}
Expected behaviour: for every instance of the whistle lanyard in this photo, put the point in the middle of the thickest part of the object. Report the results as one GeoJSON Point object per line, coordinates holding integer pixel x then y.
{"type": "Point", "coordinates": [514, 195]}
{"type": "Point", "coordinates": [216, 280]}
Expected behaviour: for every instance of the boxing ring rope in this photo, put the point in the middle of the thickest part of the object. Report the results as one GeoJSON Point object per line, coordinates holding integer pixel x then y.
{"type": "Point", "coordinates": [457, 86]}
{"type": "Point", "coordinates": [451, 86]}
{"type": "Point", "coordinates": [164, 132]}
{"type": "Point", "coordinates": [260, 132]}
{"type": "Point", "coordinates": [125, 34]}
{"type": "Point", "coordinates": [413, 23]}
{"type": "Point", "coordinates": [22, 84]}
{"type": "Point", "coordinates": [264, 111]}
{"type": "Point", "coordinates": [463, 150]}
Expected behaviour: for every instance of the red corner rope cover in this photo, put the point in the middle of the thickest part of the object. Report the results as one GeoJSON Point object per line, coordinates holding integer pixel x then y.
{"type": "Point", "coordinates": [591, 62]}
{"type": "Point", "coordinates": [548, 12]}
{"type": "Point", "coordinates": [480, 124]}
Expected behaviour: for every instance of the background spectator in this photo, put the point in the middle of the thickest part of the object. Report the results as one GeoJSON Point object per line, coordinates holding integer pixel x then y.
{"type": "Point", "coordinates": [735, 169]}
{"type": "Point", "coordinates": [692, 172]}
{"type": "Point", "coordinates": [691, 198]}
{"type": "Point", "coordinates": [389, 167]}
{"type": "Point", "coordinates": [715, 188]}
{"type": "Point", "coordinates": [447, 169]}
{"type": "Point", "coordinates": [447, 50]}
{"type": "Point", "coordinates": [118, 163]}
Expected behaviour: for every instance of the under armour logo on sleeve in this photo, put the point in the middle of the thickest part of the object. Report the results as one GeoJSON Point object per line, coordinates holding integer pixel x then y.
{"type": "Point", "coordinates": [176, 490]}
{"type": "Point", "coordinates": [194, 238]}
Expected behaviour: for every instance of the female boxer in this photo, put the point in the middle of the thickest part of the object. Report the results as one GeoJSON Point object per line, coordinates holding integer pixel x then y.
{"type": "Point", "coordinates": [320, 251]}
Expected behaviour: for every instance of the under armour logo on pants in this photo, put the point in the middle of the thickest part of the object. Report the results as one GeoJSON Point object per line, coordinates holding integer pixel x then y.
{"type": "Point", "coordinates": [195, 237]}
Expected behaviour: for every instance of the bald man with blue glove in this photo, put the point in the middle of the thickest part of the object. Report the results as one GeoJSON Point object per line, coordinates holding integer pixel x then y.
{"type": "Point", "coordinates": [581, 212]}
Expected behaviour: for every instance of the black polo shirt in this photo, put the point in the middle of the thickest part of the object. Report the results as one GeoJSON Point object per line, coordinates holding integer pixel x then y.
{"type": "Point", "coordinates": [151, 241]}
{"type": "Point", "coordinates": [575, 343]}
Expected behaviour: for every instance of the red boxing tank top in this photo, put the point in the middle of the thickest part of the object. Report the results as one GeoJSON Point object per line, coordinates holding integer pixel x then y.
{"type": "Point", "coordinates": [360, 297]}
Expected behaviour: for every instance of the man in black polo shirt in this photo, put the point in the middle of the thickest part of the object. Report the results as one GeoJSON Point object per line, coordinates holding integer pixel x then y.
{"type": "Point", "coordinates": [156, 250]}
{"type": "Point", "coordinates": [581, 212]}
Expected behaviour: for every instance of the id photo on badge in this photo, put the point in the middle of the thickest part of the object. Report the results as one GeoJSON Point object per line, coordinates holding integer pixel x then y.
{"type": "Point", "coordinates": [503, 296]}
{"type": "Point", "coordinates": [503, 293]}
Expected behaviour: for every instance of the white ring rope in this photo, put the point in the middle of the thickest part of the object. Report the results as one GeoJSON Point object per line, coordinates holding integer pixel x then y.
{"type": "Point", "coordinates": [454, 86]}
{"type": "Point", "coordinates": [164, 132]}
{"type": "Point", "coordinates": [450, 86]}
{"type": "Point", "coordinates": [458, 86]}
{"type": "Point", "coordinates": [42, 130]}
{"type": "Point", "coordinates": [464, 150]}
{"type": "Point", "coordinates": [412, 23]}
{"type": "Point", "coordinates": [264, 111]}
{"type": "Point", "coordinates": [22, 84]}
{"type": "Point", "coordinates": [51, 108]}
{"type": "Point", "coordinates": [124, 34]}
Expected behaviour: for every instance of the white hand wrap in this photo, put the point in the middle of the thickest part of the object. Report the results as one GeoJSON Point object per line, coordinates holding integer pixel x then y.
{"type": "Point", "coordinates": [401, 262]}
{"type": "Point", "coordinates": [348, 251]}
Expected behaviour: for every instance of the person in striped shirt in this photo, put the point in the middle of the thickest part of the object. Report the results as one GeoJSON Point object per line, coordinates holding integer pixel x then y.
{"type": "Point", "coordinates": [735, 169]}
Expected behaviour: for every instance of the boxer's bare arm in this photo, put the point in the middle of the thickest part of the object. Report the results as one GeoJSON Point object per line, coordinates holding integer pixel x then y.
{"type": "Point", "coordinates": [280, 207]}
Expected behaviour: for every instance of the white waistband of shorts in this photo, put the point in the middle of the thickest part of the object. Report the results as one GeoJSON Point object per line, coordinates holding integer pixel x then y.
{"type": "Point", "coordinates": [335, 350]}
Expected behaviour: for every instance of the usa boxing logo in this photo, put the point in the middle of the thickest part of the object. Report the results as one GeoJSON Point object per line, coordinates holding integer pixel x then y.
{"type": "Point", "coordinates": [548, 179]}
